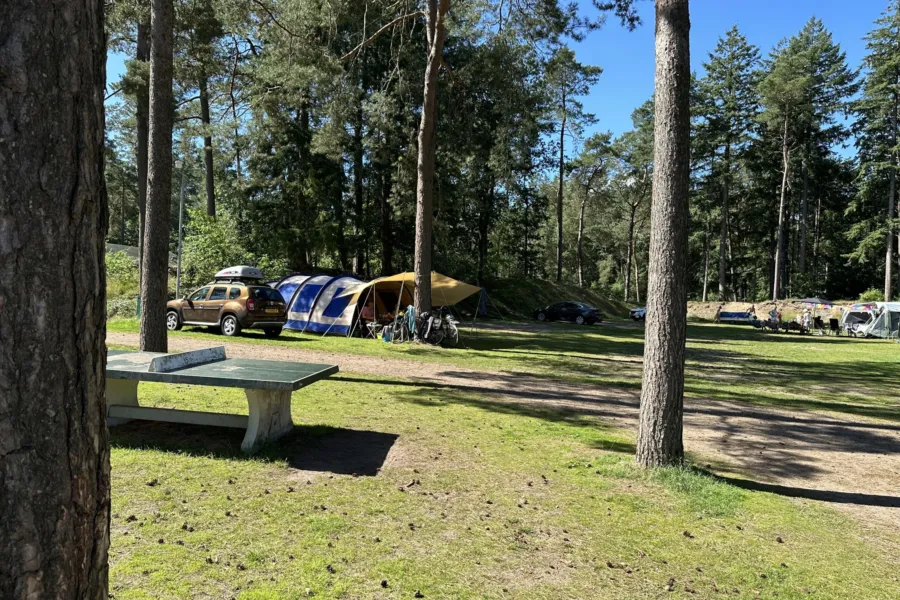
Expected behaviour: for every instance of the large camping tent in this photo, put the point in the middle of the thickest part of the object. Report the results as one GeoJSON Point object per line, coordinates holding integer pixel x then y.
{"type": "Point", "coordinates": [886, 323]}
{"type": "Point", "coordinates": [316, 303]}
{"type": "Point", "coordinates": [389, 294]}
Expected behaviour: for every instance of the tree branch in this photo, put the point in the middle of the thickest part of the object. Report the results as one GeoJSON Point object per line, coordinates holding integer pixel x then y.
{"type": "Point", "coordinates": [274, 20]}
{"type": "Point", "coordinates": [375, 35]}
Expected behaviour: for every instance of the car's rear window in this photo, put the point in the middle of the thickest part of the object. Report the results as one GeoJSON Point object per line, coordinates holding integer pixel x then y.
{"type": "Point", "coordinates": [266, 293]}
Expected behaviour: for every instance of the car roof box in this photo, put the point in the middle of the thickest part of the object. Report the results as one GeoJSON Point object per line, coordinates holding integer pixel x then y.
{"type": "Point", "coordinates": [240, 273]}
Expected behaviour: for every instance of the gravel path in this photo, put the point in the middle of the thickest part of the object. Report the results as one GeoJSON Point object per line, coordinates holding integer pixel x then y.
{"type": "Point", "coordinates": [850, 462]}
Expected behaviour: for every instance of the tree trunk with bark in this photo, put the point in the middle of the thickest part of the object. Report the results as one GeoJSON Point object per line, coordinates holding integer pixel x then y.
{"type": "Point", "coordinates": [434, 26]}
{"type": "Point", "coordinates": [804, 210]}
{"type": "Point", "coordinates": [580, 253]}
{"type": "Point", "coordinates": [659, 440]}
{"type": "Point", "coordinates": [706, 264]}
{"type": "Point", "coordinates": [154, 285]}
{"type": "Point", "coordinates": [630, 252]}
{"type": "Point", "coordinates": [779, 244]}
{"type": "Point", "coordinates": [54, 447]}
{"type": "Point", "coordinates": [207, 147]}
{"type": "Point", "coordinates": [892, 191]}
{"type": "Point", "coordinates": [723, 232]}
{"type": "Point", "coordinates": [142, 114]}
{"type": "Point", "coordinates": [484, 226]}
{"type": "Point", "coordinates": [387, 238]}
{"type": "Point", "coordinates": [561, 190]}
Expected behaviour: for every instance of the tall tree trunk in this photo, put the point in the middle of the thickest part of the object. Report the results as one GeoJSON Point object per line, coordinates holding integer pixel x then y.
{"type": "Point", "coordinates": [816, 230]}
{"type": "Point", "coordinates": [154, 286]}
{"type": "Point", "coordinates": [723, 233]}
{"type": "Point", "coordinates": [142, 110]}
{"type": "Point", "coordinates": [804, 209]}
{"type": "Point", "coordinates": [359, 222]}
{"type": "Point", "coordinates": [561, 190]}
{"type": "Point", "coordinates": [122, 213]}
{"type": "Point", "coordinates": [892, 190]}
{"type": "Point", "coordinates": [630, 249]}
{"type": "Point", "coordinates": [581, 240]}
{"type": "Point", "coordinates": [637, 278]}
{"type": "Point", "coordinates": [484, 225]}
{"type": "Point", "coordinates": [434, 21]}
{"type": "Point", "coordinates": [387, 239]}
{"type": "Point", "coordinates": [207, 147]}
{"type": "Point", "coordinates": [659, 440]}
{"type": "Point", "coordinates": [779, 245]}
{"type": "Point", "coordinates": [54, 448]}
{"type": "Point", "coordinates": [706, 264]}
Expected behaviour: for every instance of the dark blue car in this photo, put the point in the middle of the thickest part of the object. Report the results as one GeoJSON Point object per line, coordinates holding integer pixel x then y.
{"type": "Point", "coordinates": [576, 312]}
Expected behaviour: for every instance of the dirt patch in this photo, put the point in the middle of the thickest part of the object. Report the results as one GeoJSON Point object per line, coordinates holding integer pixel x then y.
{"type": "Point", "coordinates": [849, 462]}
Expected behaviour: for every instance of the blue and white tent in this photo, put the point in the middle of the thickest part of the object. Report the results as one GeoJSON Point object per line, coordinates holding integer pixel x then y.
{"type": "Point", "coordinates": [315, 303]}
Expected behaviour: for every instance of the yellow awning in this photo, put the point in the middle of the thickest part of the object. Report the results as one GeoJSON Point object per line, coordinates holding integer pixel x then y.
{"type": "Point", "coordinates": [445, 291]}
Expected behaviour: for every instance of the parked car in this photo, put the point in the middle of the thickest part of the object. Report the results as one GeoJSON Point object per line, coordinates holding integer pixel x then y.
{"type": "Point", "coordinates": [230, 303]}
{"type": "Point", "coordinates": [577, 312]}
{"type": "Point", "coordinates": [638, 314]}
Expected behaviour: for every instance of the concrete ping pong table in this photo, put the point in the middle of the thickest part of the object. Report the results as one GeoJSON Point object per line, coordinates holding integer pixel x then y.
{"type": "Point", "coordinates": [267, 383]}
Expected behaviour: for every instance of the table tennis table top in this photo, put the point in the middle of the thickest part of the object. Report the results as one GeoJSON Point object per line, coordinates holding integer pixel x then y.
{"type": "Point", "coordinates": [243, 373]}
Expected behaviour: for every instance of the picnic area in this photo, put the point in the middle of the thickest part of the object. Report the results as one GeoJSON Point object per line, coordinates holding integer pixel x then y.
{"type": "Point", "coordinates": [505, 470]}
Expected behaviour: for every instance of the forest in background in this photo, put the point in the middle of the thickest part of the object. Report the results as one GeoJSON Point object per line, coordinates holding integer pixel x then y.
{"type": "Point", "coordinates": [297, 124]}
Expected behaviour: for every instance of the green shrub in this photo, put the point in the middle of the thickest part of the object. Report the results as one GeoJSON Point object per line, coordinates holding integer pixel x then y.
{"type": "Point", "coordinates": [871, 295]}
{"type": "Point", "coordinates": [121, 307]}
{"type": "Point", "coordinates": [121, 275]}
{"type": "Point", "coordinates": [211, 245]}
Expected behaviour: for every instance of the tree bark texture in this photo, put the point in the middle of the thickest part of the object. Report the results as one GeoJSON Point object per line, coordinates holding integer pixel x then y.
{"type": "Point", "coordinates": [154, 285]}
{"type": "Point", "coordinates": [804, 211]}
{"type": "Point", "coordinates": [892, 192]}
{"type": "Point", "coordinates": [207, 148]}
{"type": "Point", "coordinates": [561, 190]}
{"type": "Point", "coordinates": [706, 265]}
{"type": "Point", "coordinates": [779, 244]}
{"type": "Point", "coordinates": [723, 229]}
{"type": "Point", "coordinates": [54, 447]}
{"type": "Point", "coordinates": [142, 115]}
{"type": "Point", "coordinates": [659, 440]}
{"type": "Point", "coordinates": [437, 10]}
{"type": "Point", "coordinates": [630, 245]}
{"type": "Point", "coordinates": [580, 252]}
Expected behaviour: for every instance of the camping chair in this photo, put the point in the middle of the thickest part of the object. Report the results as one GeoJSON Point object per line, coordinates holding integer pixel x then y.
{"type": "Point", "coordinates": [835, 326]}
{"type": "Point", "coordinates": [819, 325]}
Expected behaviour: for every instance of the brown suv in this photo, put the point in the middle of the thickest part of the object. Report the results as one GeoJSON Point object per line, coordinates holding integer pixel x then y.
{"type": "Point", "coordinates": [231, 306]}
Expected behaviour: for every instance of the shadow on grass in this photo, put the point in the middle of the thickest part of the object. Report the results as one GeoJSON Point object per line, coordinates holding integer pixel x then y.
{"type": "Point", "coordinates": [810, 494]}
{"type": "Point", "coordinates": [315, 448]}
{"type": "Point", "coordinates": [255, 335]}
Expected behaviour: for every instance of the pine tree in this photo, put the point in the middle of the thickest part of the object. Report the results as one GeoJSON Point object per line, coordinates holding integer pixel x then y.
{"type": "Point", "coordinates": [659, 440]}
{"type": "Point", "coordinates": [568, 81]}
{"type": "Point", "coordinates": [729, 109]}
{"type": "Point", "coordinates": [877, 132]}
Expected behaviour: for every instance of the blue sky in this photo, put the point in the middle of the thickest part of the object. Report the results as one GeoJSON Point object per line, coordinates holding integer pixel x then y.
{"type": "Point", "coordinates": [627, 57]}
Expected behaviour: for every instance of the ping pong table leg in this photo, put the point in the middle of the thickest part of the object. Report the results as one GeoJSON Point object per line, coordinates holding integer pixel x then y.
{"type": "Point", "coordinates": [270, 417]}
{"type": "Point", "coordinates": [120, 392]}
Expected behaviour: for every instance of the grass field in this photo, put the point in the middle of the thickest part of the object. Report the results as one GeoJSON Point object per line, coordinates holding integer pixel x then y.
{"type": "Point", "coordinates": [388, 488]}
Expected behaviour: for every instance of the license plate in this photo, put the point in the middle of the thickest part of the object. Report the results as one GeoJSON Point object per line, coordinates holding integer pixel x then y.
{"type": "Point", "coordinates": [272, 310]}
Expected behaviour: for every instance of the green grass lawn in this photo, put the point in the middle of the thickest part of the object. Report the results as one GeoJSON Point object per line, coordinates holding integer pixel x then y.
{"type": "Point", "coordinates": [385, 489]}
{"type": "Point", "coordinates": [849, 376]}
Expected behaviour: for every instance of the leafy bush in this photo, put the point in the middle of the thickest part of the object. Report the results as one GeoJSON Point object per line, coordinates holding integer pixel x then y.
{"type": "Point", "coordinates": [120, 265]}
{"type": "Point", "coordinates": [121, 307]}
{"type": "Point", "coordinates": [871, 295]}
{"type": "Point", "coordinates": [121, 275]}
{"type": "Point", "coordinates": [211, 244]}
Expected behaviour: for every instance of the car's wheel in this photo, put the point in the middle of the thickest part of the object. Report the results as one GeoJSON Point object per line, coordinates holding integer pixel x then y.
{"type": "Point", "coordinates": [272, 332]}
{"type": "Point", "coordinates": [173, 321]}
{"type": "Point", "coordinates": [230, 325]}
{"type": "Point", "coordinates": [542, 316]}
{"type": "Point", "coordinates": [579, 320]}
